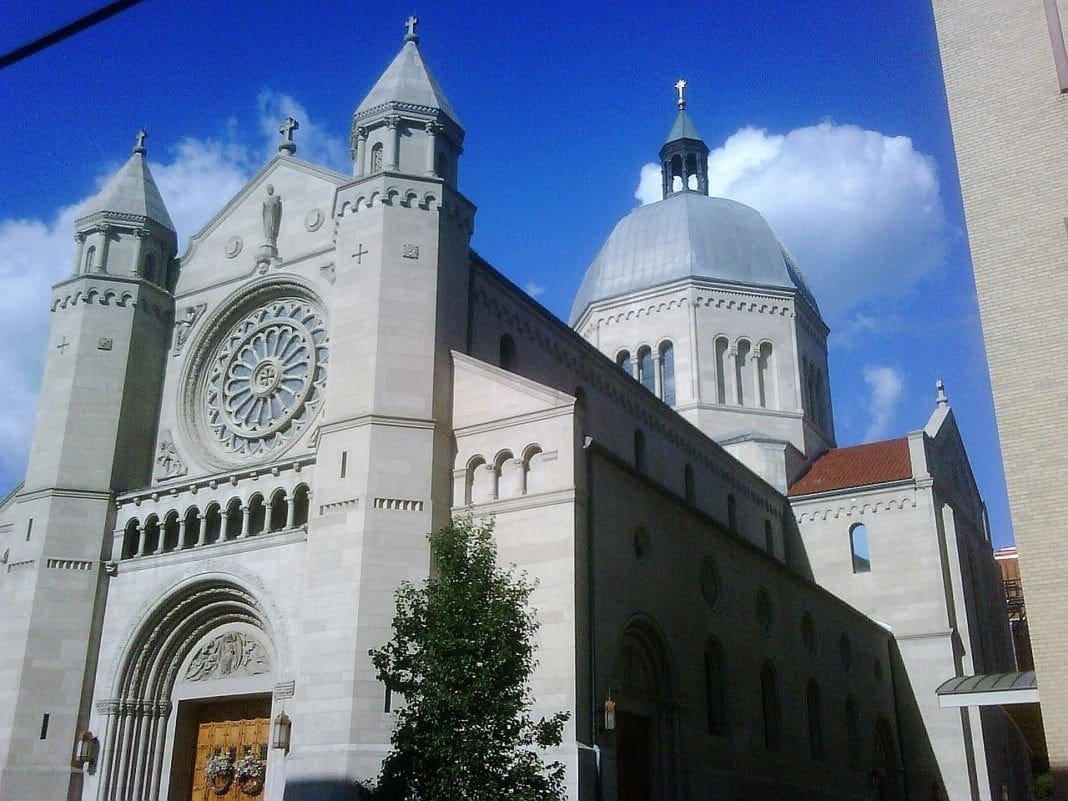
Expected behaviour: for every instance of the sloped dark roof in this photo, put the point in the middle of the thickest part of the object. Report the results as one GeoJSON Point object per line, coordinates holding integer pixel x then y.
{"type": "Point", "coordinates": [856, 466]}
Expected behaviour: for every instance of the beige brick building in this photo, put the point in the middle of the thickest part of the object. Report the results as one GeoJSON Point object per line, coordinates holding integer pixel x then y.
{"type": "Point", "coordinates": [1006, 78]}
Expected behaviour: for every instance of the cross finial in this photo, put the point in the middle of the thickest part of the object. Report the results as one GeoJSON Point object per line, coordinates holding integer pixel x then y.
{"type": "Point", "coordinates": [139, 144]}
{"type": "Point", "coordinates": [680, 85]}
{"type": "Point", "coordinates": [411, 35]}
{"type": "Point", "coordinates": [287, 144]}
{"type": "Point", "coordinates": [941, 399]}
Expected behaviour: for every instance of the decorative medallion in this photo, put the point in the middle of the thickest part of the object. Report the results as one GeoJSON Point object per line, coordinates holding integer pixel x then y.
{"type": "Point", "coordinates": [233, 246]}
{"type": "Point", "coordinates": [265, 379]}
{"type": "Point", "coordinates": [314, 220]}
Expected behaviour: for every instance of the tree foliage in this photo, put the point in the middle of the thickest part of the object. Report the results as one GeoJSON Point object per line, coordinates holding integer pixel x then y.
{"type": "Point", "coordinates": [461, 655]}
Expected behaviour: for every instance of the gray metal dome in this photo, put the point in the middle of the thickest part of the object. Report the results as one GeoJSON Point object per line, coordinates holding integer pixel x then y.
{"type": "Point", "coordinates": [689, 235]}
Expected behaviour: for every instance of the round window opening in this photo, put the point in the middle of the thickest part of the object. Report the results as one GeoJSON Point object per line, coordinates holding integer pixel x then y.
{"type": "Point", "coordinates": [262, 382]}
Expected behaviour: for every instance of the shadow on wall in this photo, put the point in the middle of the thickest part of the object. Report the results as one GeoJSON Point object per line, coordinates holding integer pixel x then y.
{"type": "Point", "coordinates": [918, 774]}
{"type": "Point", "coordinates": [326, 790]}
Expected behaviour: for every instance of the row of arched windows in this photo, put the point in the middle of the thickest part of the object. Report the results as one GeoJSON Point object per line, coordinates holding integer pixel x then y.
{"type": "Point", "coordinates": [655, 370]}
{"type": "Point", "coordinates": [745, 374]}
{"type": "Point", "coordinates": [505, 477]}
{"type": "Point", "coordinates": [236, 520]}
{"type": "Point", "coordinates": [771, 708]}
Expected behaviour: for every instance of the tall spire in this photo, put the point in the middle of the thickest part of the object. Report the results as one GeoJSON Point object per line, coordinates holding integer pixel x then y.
{"type": "Point", "coordinates": [684, 156]}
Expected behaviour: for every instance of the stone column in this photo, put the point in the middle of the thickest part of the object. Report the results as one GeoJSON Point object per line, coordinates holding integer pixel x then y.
{"type": "Point", "coordinates": [140, 549]}
{"type": "Point", "coordinates": [658, 377]}
{"type": "Point", "coordinates": [202, 533]}
{"type": "Point", "coordinates": [181, 535]}
{"type": "Point", "coordinates": [361, 151]}
{"type": "Point", "coordinates": [432, 130]}
{"type": "Point", "coordinates": [110, 710]}
{"type": "Point", "coordinates": [733, 384]}
{"type": "Point", "coordinates": [695, 360]}
{"type": "Point", "coordinates": [754, 359]}
{"type": "Point", "coordinates": [79, 267]}
{"type": "Point", "coordinates": [291, 509]}
{"type": "Point", "coordinates": [139, 259]}
{"type": "Point", "coordinates": [245, 520]}
{"type": "Point", "coordinates": [393, 124]}
{"type": "Point", "coordinates": [102, 254]}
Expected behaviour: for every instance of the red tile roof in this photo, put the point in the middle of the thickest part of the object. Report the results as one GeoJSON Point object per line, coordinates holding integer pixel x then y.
{"type": "Point", "coordinates": [856, 466]}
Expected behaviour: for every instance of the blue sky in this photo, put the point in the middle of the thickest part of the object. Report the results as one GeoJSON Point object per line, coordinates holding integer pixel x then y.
{"type": "Point", "coordinates": [827, 117]}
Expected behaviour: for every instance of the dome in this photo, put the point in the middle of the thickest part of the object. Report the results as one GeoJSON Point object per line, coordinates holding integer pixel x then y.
{"type": "Point", "coordinates": [689, 235]}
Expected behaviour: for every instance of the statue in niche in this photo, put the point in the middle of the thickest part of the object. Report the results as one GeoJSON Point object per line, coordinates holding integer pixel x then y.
{"type": "Point", "coordinates": [272, 217]}
{"type": "Point", "coordinates": [229, 654]}
{"type": "Point", "coordinates": [168, 463]}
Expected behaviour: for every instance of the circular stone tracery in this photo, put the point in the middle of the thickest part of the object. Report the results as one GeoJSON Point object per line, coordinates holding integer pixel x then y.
{"type": "Point", "coordinates": [265, 379]}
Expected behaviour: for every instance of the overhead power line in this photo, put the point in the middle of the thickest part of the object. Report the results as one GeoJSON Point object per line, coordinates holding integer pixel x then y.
{"type": "Point", "coordinates": [79, 25]}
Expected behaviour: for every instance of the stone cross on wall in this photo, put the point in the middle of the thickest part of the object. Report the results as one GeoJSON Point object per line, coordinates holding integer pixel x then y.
{"type": "Point", "coordinates": [287, 144]}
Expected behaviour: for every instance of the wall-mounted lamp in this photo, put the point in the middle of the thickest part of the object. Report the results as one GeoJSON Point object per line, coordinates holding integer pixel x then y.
{"type": "Point", "coordinates": [281, 728]}
{"type": "Point", "coordinates": [84, 747]}
{"type": "Point", "coordinates": [609, 713]}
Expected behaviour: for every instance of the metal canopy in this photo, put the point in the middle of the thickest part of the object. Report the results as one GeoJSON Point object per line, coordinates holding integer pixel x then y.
{"type": "Point", "coordinates": [991, 689]}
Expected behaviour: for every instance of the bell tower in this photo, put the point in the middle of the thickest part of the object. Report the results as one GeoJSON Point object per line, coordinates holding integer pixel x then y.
{"type": "Point", "coordinates": [385, 448]}
{"type": "Point", "coordinates": [93, 437]}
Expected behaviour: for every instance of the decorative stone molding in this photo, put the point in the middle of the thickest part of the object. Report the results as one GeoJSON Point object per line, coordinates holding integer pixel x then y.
{"type": "Point", "coordinates": [69, 564]}
{"type": "Point", "coordinates": [228, 655]}
{"type": "Point", "coordinates": [168, 463]}
{"type": "Point", "coordinates": [398, 505]}
{"type": "Point", "coordinates": [233, 246]}
{"type": "Point", "coordinates": [184, 325]}
{"type": "Point", "coordinates": [314, 220]}
{"type": "Point", "coordinates": [856, 508]}
{"type": "Point", "coordinates": [337, 506]}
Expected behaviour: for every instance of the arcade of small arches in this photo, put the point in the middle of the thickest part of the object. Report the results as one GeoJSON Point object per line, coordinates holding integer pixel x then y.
{"type": "Point", "coordinates": [653, 369]}
{"type": "Point", "coordinates": [507, 476]}
{"type": "Point", "coordinates": [175, 530]}
{"type": "Point", "coordinates": [745, 373]}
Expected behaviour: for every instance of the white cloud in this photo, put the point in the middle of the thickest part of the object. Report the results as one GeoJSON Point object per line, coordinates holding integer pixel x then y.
{"type": "Point", "coordinates": [313, 143]}
{"type": "Point", "coordinates": [860, 210]}
{"type": "Point", "coordinates": [885, 384]}
{"type": "Point", "coordinates": [533, 289]}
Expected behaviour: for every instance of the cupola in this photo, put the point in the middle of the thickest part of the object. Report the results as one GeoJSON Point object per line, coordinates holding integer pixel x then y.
{"type": "Point", "coordinates": [684, 156]}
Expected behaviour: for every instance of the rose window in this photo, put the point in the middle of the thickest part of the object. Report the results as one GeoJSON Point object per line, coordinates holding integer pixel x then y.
{"type": "Point", "coordinates": [265, 380]}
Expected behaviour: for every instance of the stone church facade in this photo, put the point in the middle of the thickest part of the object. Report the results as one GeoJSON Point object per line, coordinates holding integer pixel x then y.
{"type": "Point", "coordinates": [239, 452]}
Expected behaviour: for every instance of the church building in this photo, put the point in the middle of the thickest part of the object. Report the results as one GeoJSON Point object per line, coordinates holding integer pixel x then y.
{"type": "Point", "coordinates": [239, 452]}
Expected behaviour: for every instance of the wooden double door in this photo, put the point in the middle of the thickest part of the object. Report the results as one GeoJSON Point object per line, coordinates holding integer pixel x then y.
{"type": "Point", "coordinates": [632, 755]}
{"type": "Point", "coordinates": [232, 731]}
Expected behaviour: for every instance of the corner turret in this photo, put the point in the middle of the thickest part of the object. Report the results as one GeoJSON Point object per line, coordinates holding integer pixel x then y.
{"type": "Point", "coordinates": [406, 125]}
{"type": "Point", "coordinates": [125, 230]}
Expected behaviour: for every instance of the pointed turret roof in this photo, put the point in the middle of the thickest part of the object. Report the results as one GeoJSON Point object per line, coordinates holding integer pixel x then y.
{"type": "Point", "coordinates": [683, 128]}
{"type": "Point", "coordinates": [407, 82]}
{"type": "Point", "coordinates": [132, 191]}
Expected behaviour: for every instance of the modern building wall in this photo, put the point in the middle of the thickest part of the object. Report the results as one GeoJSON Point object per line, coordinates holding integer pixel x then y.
{"type": "Point", "coordinates": [1006, 77]}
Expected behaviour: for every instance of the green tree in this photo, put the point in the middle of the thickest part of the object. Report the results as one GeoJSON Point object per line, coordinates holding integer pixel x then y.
{"type": "Point", "coordinates": [461, 655]}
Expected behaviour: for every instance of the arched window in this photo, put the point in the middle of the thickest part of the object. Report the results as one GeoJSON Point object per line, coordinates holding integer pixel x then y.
{"type": "Point", "coordinates": [743, 379]}
{"type": "Point", "coordinates": [508, 475]}
{"type": "Point", "coordinates": [300, 505]}
{"type": "Point", "coordinates": [507, 357]}
{"type": "Point", "coordinates": [769, 538]}
{"type": "Point", "coordinates": [817, 392]}
{"type": "Point", "coordinates": [376, 158]}
{"type": "Point", "coordinates": [478, 487]}
{"type": "Point", "coordinates": [765, 377]}
{"type": "Point", "coordinates": [151, 535]}
{"type": "Point", "coordinates": [667, 373]}
{"type": "Point", "coordinates": [688, 483]}
{"type": "Point", "coordinates": [639, 449]}
{"type": "Point", "coordinates": [623, 362]}
{"type": "Point", "coordinates": [533, 470]}
{"type": "Point", "coordinates": [234, 519]}
{"type": "Point", "coordinates": [276, 520]}
{"type": "Point", "coordinates": [715, 690]}
{"type": "Point", "coordinates": [858, 546]}
{"type": "Point", "coordinates": [722, 346]}
{"type": "Point", "coordinates": [645, 369]}
{"type": "Point", "coordinates": [852, 732]}
{"type": "Point", "coordinates": [212, 524]}
{"type": "Point", "coordinates": [90, 259]}
{"type": "Point", "coordinates": [171, 528]}
{"type": "Point", "coordinates": [769, 697]}
{"type": "Point", "coordinates": [815, 722]}
{"type": "Point", "coordinates": [676, 173]}
{"type": "Point", "coordinates": [257, 514]}
{"type": "Point", "coordinates": [192, 528]}
{"type": "Point", "coordinates": [131, 539]}
{"type": "Point", "coordinates": [732, 513]}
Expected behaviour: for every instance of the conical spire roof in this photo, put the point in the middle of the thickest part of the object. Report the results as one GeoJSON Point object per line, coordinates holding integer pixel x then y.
{"type": "Point", "coordinates": [407, 82]}
{"type": "Point", "coordinates": [683, 128]}
{"type": "Point", "coordinates": [132, 191]}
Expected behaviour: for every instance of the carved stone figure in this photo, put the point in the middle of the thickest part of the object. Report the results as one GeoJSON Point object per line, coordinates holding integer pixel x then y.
{"type": "Point", "coordinates": [168, 463]}
{"type": "Point", "coordinates": [183, 326]}
{"type": "Point", "coordinates": [229, 654]}
{"type": "Point", "coordinates": [272, 217]}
